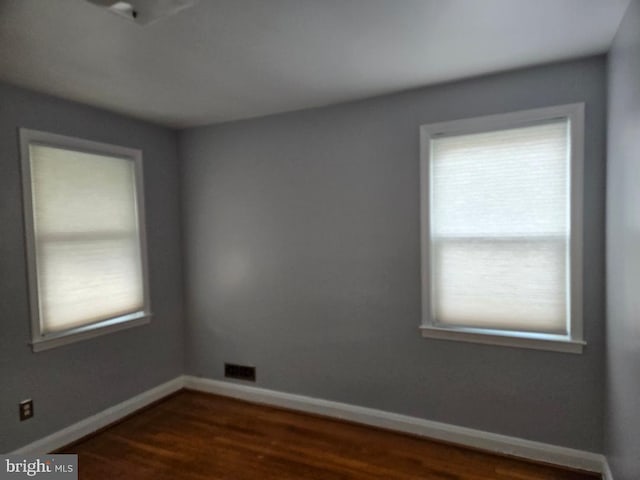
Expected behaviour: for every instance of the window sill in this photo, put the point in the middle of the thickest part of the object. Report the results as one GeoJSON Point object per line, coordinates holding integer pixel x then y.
{"type": "Point", "coordinates": [537, 341]}
{"type": "Point", "coordinates": [93, 330]}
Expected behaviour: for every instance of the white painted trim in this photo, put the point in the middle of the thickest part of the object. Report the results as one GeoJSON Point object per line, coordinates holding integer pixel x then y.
{"type": "Point", "coordinates": [492, 442]}
{"type": "Point", "coordinates": [606, 470]}
{"type": "Point", "coordinates": [106, 417]}
{"type": "Point", "coordinates": [39, 339]}
{"type": "Point", "coordinates": [536, 341]}
{"type": "Point", "coordinates": [574, 341]}
{"type": "Point", "coordinates": [90, 331]}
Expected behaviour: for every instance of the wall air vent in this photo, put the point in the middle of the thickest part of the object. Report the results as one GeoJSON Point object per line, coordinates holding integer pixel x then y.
{"type": "Point", "coordinates": [240, 372]}
{"type": "Point", "coordinates": [144, 12]}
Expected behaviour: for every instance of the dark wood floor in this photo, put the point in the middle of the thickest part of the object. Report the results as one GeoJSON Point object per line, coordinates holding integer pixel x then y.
{"type": "Point", "coordinates": [200, 436]}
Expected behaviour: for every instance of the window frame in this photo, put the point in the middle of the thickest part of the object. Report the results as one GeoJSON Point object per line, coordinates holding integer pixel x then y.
{"type": "Point", "coordinates": [39, 340]}
{"type": "Point", "coordinates": [573, 342]}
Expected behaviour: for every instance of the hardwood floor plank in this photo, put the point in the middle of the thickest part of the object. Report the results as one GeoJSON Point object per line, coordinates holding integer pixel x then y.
{"type": "Point", "coordinates": [198, 436]}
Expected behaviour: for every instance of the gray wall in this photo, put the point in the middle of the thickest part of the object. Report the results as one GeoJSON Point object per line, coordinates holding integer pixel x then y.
{"type": "Point", "coordinates": [73, 382]}
{"type": "Point", "coordinates": [622, 422]}
{"type": "Point", "coordinates": [302, 258]}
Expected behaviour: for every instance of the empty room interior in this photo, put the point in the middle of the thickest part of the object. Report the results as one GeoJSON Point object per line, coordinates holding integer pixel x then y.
{"type": "Point", "coordinates": [320, 239]}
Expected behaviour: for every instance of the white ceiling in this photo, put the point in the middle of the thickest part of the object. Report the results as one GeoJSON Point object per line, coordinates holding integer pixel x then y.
{"type": "Point", "coordinates": [229, 59]}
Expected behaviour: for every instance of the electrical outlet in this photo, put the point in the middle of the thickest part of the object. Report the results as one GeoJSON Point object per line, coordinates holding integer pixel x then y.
{"type": "Point", "coordinates": [240, 372]}
{"type": "Point", "coordinates": [26, 409]}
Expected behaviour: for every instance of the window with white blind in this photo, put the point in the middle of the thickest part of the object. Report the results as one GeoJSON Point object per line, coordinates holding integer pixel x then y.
{"type": "Point", "coordinates": [84, 221]}
{"type": "Point", "coordinates": [501, 229]}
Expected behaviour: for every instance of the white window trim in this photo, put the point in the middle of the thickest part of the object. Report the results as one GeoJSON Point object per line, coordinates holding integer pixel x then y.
{"type": "Point", "coordinates": [574, 341]}
{"type": "Point", "coordinates": [40, 342]}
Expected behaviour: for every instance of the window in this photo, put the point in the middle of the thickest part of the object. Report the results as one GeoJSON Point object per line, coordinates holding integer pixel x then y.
{"type": "Point", "coordinates": [501, 226]}
{"type": "Point", "coordinates": [84, 220]}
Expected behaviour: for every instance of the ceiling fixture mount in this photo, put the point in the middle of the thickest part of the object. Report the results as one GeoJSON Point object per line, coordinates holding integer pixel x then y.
{"type": "Point", "coordinates": [144, 12]}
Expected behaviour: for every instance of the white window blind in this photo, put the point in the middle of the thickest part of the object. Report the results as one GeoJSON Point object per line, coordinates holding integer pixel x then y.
{"type": "Point", "coordinates": [500, 229]}
{"type": "Point", "coordinates": [86, 237]}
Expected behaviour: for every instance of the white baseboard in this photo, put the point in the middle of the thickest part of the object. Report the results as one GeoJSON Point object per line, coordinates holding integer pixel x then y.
{"type": "Point", "coordinates": [96, 422]}
{"type": "Point", "coordinates": [606, 470]}
{"type": "Point", "coordinates": [492, 442]}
